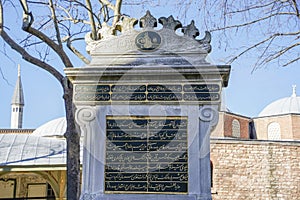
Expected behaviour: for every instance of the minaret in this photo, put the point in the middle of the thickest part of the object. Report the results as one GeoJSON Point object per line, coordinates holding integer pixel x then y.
{"type": "Point", "coordinates": [294, 91]}
{"type": "Point", "coordinates": [17, 104]}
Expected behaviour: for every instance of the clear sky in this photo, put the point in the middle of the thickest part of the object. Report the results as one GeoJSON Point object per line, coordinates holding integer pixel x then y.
{"type": "Point", "coordinates": [247, 93]}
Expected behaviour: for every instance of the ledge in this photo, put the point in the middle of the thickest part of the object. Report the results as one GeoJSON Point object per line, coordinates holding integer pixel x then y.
{"type": "Point", "coordinates": [254, 142]}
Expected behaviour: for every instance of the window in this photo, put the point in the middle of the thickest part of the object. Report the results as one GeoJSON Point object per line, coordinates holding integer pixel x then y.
{"type": "Point", "coordinates": [274, 132]}
{"type": "Point", "coordinates": [236, 128]}
{"type": "Point", "coordinates": [50, 193]}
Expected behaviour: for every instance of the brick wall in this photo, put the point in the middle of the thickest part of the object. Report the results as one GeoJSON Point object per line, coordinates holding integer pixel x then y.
{"type": "Point", "coordinates": [252, 169]}
{"type": "Point", "coordinates": [224, 126]}
{"type": "Point", "coordinates": [244, 125]}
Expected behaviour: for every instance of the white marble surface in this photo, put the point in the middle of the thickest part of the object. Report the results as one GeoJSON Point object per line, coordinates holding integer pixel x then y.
{"type": "Point", "coordinates": [92, 120]}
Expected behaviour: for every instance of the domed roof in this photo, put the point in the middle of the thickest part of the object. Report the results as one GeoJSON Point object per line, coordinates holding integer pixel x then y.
{"type": "Point", "coordinates": [287, 105]}
{"type": "Point", "coordinates": [28, 150]}
{"type": "Point", "coordinates": [54, 128]}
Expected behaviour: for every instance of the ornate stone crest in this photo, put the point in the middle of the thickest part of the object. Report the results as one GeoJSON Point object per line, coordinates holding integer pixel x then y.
{"type": "Point", "coordinates": [147, 38]}
{"type": "Point", "coordinates": [148, 41]}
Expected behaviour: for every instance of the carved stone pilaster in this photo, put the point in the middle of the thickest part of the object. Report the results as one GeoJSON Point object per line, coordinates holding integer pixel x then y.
{"type": "Point", "coordinates": [208, 119]}
{"type": "Point", "coordinates": [209, 113]}
{"type": "Point", "coordinates": [85, 115]}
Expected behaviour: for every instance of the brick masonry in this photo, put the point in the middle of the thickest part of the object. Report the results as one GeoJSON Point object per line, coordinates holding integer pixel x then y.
{"type": "Point", "coordinates": [254, 169]}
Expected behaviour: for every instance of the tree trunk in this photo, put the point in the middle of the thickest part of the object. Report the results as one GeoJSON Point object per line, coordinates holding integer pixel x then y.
{"type": "Point", "coordinates": [73, 146]}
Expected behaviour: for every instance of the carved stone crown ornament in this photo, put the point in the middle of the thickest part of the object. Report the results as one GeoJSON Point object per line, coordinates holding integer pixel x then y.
{"type": "Point", "coordinates": [133, 42]}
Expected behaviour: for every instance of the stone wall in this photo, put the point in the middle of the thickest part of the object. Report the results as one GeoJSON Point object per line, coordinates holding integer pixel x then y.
{"type": "Point", "coordinates": [253, 169]}
{"type": "Point", "coordinates": [284, 121]}
{"type": "Point", "coordinates": [296, 126]}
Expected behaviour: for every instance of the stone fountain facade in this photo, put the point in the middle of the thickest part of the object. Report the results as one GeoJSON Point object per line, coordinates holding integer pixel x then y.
{"type": "Point", "coordinates": [146, 105]}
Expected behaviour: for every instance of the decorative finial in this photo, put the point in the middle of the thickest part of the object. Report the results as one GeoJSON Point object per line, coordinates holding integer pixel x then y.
{"type": "Point", "coordinates": [170, 22]}
{"type": "Point", "coordinates": [148, 21]}
{"type": "Point", "coordinates": [191, 30]}
{"type": "Point", "coordinates": [19, 70]}
{"type": "Point", "coordinates": [294, 91]}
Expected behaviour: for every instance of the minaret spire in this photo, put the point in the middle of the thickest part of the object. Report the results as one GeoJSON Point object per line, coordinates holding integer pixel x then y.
{"type": "Point", "coordinates": [19, 70]}
{"type": "Point", "coordinates": [294, 91]}
{"type": "Point", "coordinates": [17, 104]}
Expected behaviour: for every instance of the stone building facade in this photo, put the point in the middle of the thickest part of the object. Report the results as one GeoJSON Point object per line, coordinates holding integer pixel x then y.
{"type": "Point", "coordinates": [247, 169]}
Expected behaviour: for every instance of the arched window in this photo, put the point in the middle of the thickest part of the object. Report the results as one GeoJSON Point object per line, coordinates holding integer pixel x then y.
{"type": "Point", "coordinates": [274, 132]}
{"type": "Point", "coordinates": [236, 128]}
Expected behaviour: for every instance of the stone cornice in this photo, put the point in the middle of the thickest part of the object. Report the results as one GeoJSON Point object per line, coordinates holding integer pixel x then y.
{"type": "Point", "coordinates": [18, 131]}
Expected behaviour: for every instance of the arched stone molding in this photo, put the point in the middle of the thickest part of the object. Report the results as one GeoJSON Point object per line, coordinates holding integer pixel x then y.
{"type": "Point", "coordinates": [50, 179]}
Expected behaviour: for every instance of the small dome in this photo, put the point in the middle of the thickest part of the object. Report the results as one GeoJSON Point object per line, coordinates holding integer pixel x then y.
{"type": "Point", "coordinates": [54, 128]}
{"type": "Point", "coordinates": [287, 105]}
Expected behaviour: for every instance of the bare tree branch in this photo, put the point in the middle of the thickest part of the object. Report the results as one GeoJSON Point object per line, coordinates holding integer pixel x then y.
{"type": "Point", "coordinates": [27, 27]}
{"type": "Point", "coordinates": [292, 61]}
{"type": "Point", "coordinates": [117, 12]}
{"type": "Point", "coordinates": [75, 20]}
{"type": "Point", "coordinates": [53, 16]}
{"type": "Point", "coordinates": [75, 51]}
{"type": "Point", "coordinates": [250, 8]}
{"type": "Point", "coordinates": [270, 38]}
{"type": "Point", "coordinates": [277, 54]}
{"type": "Point", "coordinates": [108, 4]}
{"type": "Point", "coordinates": [3, 77]}
{"type": "Point", "coordinates": [26, 56]}
{"type": "Point", "coordinates": [296, 8]}
{"type": "Point", "coordinates": [253, 21]}
{"type": "Point", "coordinates": [70, 18]}
{"type": "Point", "coordinates": [91, 16]}
{"type": "Point", "coordinates": [29, 36]}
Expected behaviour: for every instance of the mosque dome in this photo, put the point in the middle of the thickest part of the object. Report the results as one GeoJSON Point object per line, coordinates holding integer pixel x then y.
{"type": "Point", "coordinates": [287, 105]}
{"type": "Point", "coordinates": [53, 128]}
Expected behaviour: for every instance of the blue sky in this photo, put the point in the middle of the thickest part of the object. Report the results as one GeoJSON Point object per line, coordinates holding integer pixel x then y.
{"type": "Point", "coordinates": [247, 93]}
